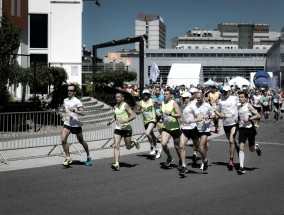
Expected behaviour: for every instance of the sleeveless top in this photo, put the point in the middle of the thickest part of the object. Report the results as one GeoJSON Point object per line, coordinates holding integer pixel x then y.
{"type": "Point", "coordinates": [275, 98]}
{"type": "Point", "coordinates": [148, 111]}
{"type": "Point", "coordinates": [169, 122]}
{"type": "Point", "coordinates": [121, 114]}
{"type": "Point", "coordinates": [244, 114]}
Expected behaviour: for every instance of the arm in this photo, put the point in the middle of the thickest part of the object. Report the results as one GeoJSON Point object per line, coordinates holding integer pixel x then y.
{"type": "Point", "coordinates": [112, 120]}
{"type": "Point", "coordinates": [138, 108]}
{"type": "Point", "coordinates": [177, 113]}
{"type": "Point", "coordinates": [79, 111]}
{"type": "Point", "coordinates": [132, 115]}
{"type": "Point", "coordinates": [254, 112]}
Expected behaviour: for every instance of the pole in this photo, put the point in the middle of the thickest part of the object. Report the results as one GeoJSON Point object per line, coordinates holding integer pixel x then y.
{"type": "Point", "coordinates": [35, 114]}
{"type": "Point", "coordinates": [141, 64]}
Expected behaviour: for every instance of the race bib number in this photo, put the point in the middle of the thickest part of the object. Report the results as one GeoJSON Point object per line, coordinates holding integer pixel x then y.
{"type": "Point", "coordinates": [167, 118]}
{"type": "Point", "coordinates": [148, 115]}
{"type": "Point", "coordinates": [226, 111]}
{"type": "Point", "coordinates": [265, 103]}
{"type": "Point", "coordinates": [243, 116]}
{"type": "Point", "coordinates": [275, 100]}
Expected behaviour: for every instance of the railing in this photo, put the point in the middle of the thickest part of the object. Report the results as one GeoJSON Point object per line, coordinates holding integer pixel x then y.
{"type": "Point", "coordinates": [43, 128]}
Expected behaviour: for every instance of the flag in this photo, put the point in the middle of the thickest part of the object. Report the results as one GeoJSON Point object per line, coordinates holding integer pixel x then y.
{"type": "Point", "coordinates": [154, 72]}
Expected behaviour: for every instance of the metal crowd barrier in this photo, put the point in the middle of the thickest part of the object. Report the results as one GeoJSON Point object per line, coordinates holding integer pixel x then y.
{"type": "Point", "coordinates": [43, 128]}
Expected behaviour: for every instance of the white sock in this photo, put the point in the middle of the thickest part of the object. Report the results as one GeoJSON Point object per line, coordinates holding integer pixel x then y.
{"type": "Point", "coordinates": [242, 158]}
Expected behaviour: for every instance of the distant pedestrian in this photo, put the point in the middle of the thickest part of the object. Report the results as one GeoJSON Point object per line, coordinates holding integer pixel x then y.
{"type": "Point", "coordinates": [123, 116]}
{"type": "Point", "coordinates": [73, 108]}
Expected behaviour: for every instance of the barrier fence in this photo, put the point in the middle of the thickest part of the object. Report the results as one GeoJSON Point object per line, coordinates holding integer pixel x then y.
{"type": "Point", "coordinates": [43, 128]}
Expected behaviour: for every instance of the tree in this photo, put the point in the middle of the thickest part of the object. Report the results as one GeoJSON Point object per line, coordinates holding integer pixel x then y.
{"type": "Point", "coordinates": [9, 42]}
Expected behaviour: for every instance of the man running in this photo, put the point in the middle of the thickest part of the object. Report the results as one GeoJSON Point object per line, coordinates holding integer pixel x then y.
{"type": "Point", "coordinates": [213, 97]}
{"type": "Point", "coordinates": [257, 105]}
{"type": "Point", "coordinates": [158, 98]}
{"type": "Point", "coordinates": [190, 115]}
{"type": "Point", "coordinates": [247, 130]}
{"type": "Point", "coordinates": [204, 127]}
{"type": "Point", "coordinates": [123, 116]}
{"type": "Point", "coordinates": [228, 111]}
{"type": "Point", "coordinates": [171, 112]}
{"type": "Point", "coordinates": [275, 104]}
{"type": "Point", "coordinates": [266, 103]}
{"type": "Point", "coordinates": [146, 107]}
{"type": "Point", "coordinates": [73, 109]}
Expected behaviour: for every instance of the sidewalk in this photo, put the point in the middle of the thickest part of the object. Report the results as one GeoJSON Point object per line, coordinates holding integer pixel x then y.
{"type": "Point", "coordinates": [37, 157]}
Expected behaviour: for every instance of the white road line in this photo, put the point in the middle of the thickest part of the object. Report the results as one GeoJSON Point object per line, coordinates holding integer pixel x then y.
{"type": "Point", "coordinates": [268, 143]}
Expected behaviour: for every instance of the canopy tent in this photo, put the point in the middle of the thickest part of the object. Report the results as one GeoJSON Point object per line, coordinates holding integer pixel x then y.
{"type": "Point", "coordinates": [185, 74]}
{"type": "Point", "coordinates": [210, 83]}
{"type": "Point", "coordinates": [239, 81]}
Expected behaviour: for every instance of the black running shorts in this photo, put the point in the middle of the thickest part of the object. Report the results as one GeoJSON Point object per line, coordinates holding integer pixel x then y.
{"type": "Point", "coordinates": [191, 133]}
{"type": "Point", "coordinates": [174, 133]}
{"type": "Point", "coordinates": [73, 130]}
{"type": "Point", "coordinates": [247, 134]}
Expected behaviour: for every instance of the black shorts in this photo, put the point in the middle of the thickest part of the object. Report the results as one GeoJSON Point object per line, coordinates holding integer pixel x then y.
{"type": "Point", "coordinates": [146, 125]}
{"type": "Point", "coordinates": [227, 129]}
{"type": "Point", "coordinates": [205, 133]}
{"type": "Point", "coordinates": [191, 133]}
{"type": "Point", "coordinates": [265, 108]}
{"type": "Point", "coordinates": [276, 106]}
{"type": "Point", "coordinates": [123, 133]}
{"type": "Point", "coordinates": [174, 133]}
{"type": "Point", "coordinates": [258, 109]}
{"type": "Point", "coordinates": [73, 130]}
{"type": "Point", "coordinates": [247, 134]}
{"type": "Point", "coordinates": [159, 118]}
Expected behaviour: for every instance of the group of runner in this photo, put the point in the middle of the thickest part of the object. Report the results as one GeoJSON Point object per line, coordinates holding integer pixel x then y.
{"type": "Point", "coordinates": [192, 120]}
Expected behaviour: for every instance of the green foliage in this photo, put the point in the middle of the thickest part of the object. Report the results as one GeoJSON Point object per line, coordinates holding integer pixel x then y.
{"type": "Point", "coordinates": [113, 76]}
{"type": "Point", "coordinates": [9, 42]}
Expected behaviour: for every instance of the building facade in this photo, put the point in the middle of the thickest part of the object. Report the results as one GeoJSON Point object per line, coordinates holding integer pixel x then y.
{"type": "Point", "coordinates": [228, 36]}
{"type": "Point", "coordinates": [50, 36]}
{"type": "Point", "coordinates": [154, 27]}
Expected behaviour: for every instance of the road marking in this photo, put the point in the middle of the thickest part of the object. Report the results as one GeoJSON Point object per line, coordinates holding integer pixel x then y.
{"type": "Point", "coordinates": [268, 143]}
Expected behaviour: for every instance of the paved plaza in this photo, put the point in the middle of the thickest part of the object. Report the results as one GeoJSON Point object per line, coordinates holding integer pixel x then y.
{"type": "Point", "coordinates": [42, 186]}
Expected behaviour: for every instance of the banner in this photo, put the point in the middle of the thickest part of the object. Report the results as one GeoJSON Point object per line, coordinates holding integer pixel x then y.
{"type": "Point", "coordinates": [154, 72]}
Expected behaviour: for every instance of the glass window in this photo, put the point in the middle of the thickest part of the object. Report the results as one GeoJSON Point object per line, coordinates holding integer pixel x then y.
{"type": "Point", "coordinates": [38, 30]}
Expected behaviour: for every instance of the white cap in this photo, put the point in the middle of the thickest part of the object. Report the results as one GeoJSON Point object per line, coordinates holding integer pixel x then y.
{"type": "Point", "coordinates": [146, 91]}
{"type": "Point", "coordinates": [193, 90]}
{"type": "Point", "coordinates": [186, 94]}
{"type": "Point", "coordinates": [226, 88]}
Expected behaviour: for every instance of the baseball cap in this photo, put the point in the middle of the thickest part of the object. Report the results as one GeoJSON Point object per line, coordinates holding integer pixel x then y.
{"type": "Point", "coordinates": [226, 88]}
{"type": "Point", "coordinates": [193, 90]}
{"type": "Point", "coordinates": [186, 94]}
{"type": "Point", "coordinates": [146, 91]}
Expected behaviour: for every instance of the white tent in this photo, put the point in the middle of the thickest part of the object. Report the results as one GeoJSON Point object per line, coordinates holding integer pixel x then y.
{"type": "Point", "coordinates": [239, 81]}
{"type": "Point", "coordinates": [185, 74]}
{"type": "Point", "coordinates": [210, 83]}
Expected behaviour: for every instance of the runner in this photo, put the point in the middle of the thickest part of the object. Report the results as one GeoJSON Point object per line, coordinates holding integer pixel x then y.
{"type": "Point", "coordinates": [123, 115]}
{"type": "Point", "coordinates": [204, 127]}
{"type": "Point", "coordinates": [73, 108]}
{"type": "Point", "coordinates": [275, 104]}
{"type": "Point", "coordinates": [146, 106]}
{"type": "Point", "coordinates": [247, 131]}
{"type": "Point", "coordinates": [257, 105]}
{"type": "Point", "coordinates": [190, 115]}
{"type": "Point", "coordinates": [266, 103]}
{"type": "Point", "coordinates": [213, 96]}
{"type": "Point", "coordinates": [158, 98]}
{"type": "Point", "coordinates": [171, 112]}
{"type": "Point", "coordinates": [227, 110]}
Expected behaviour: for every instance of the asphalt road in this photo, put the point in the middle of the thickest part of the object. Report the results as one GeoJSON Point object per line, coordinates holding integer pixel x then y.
{"type": "Point", "coordinates": [143, 187]}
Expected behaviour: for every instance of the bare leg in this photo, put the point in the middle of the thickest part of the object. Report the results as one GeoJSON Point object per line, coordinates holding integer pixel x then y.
{"type": "Point", "coordinates": [64, 135]}
{"type": "Point", "coordinates": [117, 140]}
{"type": "Point", "coordinates": [83, 142]}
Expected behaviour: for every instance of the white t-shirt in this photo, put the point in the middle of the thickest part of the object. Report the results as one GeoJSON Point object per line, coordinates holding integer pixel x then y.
{"type": "Point", "coordinates": [256, 100]}
{"type": "Point", "coordinates": [189, 112]}
{"type": "Point", "coordinates": [228, 107]}
{"type": "Point", "coordinates": [72, 119]}
{"type": "Point", "coordinates": [206, 110]}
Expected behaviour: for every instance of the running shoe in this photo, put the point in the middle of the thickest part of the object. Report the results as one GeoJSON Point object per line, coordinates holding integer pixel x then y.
{"type": "Point", "coordinates": [257, 149]}
{"type": "Point", "coordinates": [89, 161]}
{"type": "Point", "coordinates": [230, 165]}
{"type": "Point", "coordinates": [169, 161]}
{"type": "Point", "coordinates": [179, 166]}
{"type": "Point", "coordinates": [194, 157]}
{"type": "Point", "coordinates": [205, 165]}
{"type": "Point", "coordinates": [67, 161]}
{"type": "Point", "coordinates": [153, 151]}
{"type": "Point", "coordinates": [136, 143]}
{"type": "Point", "coordinates": [183, 171]}
{"type": "Point", "coordinates": [201, 166]}
{"type": "Point", "coordinates": [241, 171]}
{"type": "Point", "coordinates": [115, 166]}
{"type": "Point", "coordinates": [158, 153]}
{"type": "Point", "coordinates": [256, 125]}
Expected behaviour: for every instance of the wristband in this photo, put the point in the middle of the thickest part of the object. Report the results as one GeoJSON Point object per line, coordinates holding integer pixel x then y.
{"type": "Point", "coordinates": [73, 110]}
{"type": "Point", "coordinates": [170, 114]}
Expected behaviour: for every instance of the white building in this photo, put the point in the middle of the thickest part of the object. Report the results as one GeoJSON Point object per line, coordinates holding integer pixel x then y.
{"type": "Point", "coordinates": [228, 36]}
{"type": "Point", "coordinates": [154, 27]}
{"type": "Point", "coordinates": [52, 34]}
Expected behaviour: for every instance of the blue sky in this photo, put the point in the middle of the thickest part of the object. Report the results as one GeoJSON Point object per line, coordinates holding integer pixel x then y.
{"type": "Point", "coordinates": [115, 19]}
